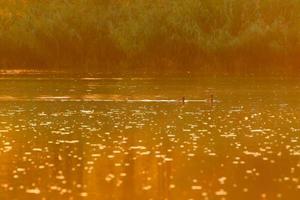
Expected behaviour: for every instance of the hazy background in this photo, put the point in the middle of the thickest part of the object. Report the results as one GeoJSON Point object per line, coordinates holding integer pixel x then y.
{"type": "Point", "coordinates": [152, 37]}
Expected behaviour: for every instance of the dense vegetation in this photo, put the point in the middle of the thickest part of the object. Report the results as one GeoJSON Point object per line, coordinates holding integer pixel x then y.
{"type": "Point", "coordinates": [227, 36]}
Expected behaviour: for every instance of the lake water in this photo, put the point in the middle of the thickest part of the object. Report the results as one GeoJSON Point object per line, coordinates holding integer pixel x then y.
{"type": "Point", "coordinates": [104, 138]}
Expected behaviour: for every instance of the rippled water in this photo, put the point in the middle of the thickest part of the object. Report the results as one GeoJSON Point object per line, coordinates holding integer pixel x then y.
{"type": "Point", "coordinates": [92, 138]}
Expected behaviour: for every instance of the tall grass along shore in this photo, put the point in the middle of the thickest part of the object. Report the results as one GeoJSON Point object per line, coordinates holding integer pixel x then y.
{"type": "Point", "coordinates": [158, 36]}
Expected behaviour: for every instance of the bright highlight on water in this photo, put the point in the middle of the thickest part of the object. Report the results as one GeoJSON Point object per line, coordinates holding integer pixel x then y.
{"type": "Point", "coordinates": [104, 139]}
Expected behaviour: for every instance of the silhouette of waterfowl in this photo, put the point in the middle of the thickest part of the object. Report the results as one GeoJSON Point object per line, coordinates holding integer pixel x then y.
{"type": "Point", "coordinates": [183, 100]}
{"type": "Point", "coordinates": [211, 99]}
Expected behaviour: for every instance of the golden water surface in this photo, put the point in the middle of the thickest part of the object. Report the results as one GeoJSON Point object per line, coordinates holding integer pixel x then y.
{"type": "Point", "coordinates": [103, 138]}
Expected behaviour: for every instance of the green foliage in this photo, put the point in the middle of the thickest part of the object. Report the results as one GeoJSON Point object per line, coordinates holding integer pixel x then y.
{"type": "Point", "coordinates": [154, 35]}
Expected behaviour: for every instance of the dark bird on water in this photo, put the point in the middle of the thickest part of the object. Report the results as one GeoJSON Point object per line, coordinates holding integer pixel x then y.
{"type": "Point", "coordinates": [211, 100]}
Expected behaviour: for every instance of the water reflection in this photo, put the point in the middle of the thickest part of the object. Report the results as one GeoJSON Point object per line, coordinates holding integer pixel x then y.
{"type": "Point", "coordinates": [237, 149]}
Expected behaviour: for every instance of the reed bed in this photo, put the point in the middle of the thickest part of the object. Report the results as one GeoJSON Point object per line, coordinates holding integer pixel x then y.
{"type": "Point", "coordinates": [227, 36]}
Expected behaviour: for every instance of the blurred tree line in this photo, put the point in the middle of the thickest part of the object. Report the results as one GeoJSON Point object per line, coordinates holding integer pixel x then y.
{"type": "Point", "coordinates": [158, 36]}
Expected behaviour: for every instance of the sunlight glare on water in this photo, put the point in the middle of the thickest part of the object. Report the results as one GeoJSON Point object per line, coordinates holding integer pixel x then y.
{"type": "Point", "coordinates": [94, 138]}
